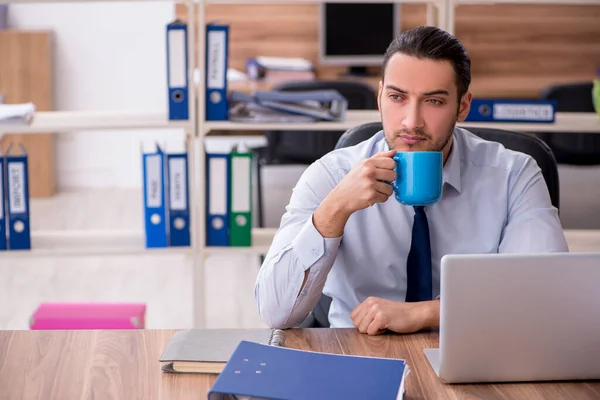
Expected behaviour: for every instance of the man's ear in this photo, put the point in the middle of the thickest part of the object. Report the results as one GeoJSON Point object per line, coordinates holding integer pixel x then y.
{"type": "Point", "coordinates": [379, 95]}
{"type": "Point", "coordinates": [464, 106]}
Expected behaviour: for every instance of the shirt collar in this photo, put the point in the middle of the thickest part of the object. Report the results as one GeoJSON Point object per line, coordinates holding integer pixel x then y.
{"type": "Point", "coordinates": [451, 171]}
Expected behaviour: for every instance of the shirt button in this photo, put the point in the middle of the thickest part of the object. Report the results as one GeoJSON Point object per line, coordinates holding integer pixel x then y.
{"type": "Point", "coordinates": [315, 252]}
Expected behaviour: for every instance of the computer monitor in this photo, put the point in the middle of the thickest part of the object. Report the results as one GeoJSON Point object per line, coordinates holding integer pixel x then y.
{"type": "Point", "coordinates": [356, 35]}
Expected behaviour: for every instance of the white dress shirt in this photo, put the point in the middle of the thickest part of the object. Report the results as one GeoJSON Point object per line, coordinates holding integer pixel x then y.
{"type": "Point", "coordinates": [494, 200]}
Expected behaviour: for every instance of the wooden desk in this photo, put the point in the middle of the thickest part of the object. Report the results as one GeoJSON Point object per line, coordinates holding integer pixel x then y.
{"type": "Point", "coordinates": [124, 365]}
{"type": "Point", "coordinates": [27, 75]}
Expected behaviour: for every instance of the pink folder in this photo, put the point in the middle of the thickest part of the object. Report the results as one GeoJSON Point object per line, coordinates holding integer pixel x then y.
{"type": "Point", "coordinates": [50, 316]}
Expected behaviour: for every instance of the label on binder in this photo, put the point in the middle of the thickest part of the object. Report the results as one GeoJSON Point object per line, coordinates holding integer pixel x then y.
{"type": "Point", "coordinates": [240, 223]}
{"type": "Point", "coordinates": [154, 179]}
{"type": "Point", "coordinates": [241, 187]}
{"type": "Point", "coordinates": [177, 53]}
{"type": "Point", "coordinates": [16, 177]}
{"type": "Point", "coordinates": [218, 192]}
{"type": "Point", "coordinates": [177, 187]}
{"type": "Point", "coordinates": [508, 110]}
{"type": "Point", "coordinates": [542, 112]}
{"type": "Point", "coordinates": [216, 59]}
{"type": "Point", "coordinates": [217, 197]}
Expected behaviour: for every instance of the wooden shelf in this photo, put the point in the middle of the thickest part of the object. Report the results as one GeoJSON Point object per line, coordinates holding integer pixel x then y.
{"type": "Point", "coordinates": [88, 243]}
{"type": "Point", "coordinates": [353, 118]}
{"type": "Point", "coordinates": [261, 241]}
{"type": "Point", "coordinates": [565, 122]}
{"type": "Point", "coordinates": [69, 121]}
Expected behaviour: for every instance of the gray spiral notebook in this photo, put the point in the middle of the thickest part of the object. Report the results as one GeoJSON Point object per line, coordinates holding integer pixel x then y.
{"type": "Point", "coordinates": [206, 351]}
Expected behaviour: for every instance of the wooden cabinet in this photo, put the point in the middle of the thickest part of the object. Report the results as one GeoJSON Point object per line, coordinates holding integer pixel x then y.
{"type": "Point", "coordinates": [26, 75]}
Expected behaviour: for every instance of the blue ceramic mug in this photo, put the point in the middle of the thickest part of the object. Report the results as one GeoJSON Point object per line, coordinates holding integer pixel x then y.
{"type": "Point", "coordinates": [418, 177]}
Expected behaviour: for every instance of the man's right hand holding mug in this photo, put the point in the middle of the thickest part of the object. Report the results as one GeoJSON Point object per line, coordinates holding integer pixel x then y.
{"type": "Point", "coordinates": [362, 187]}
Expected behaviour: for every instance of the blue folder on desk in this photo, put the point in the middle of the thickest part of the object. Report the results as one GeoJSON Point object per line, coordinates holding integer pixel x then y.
{"type": "Point", "coordinates": [273, 372]}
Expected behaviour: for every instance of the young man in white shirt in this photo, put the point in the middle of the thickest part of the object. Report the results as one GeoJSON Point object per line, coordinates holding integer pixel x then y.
{"type": "Point", "coordinates": [345, 235]}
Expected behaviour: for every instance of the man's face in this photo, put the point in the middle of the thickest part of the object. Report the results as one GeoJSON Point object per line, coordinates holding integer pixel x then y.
{"type": "Point", "coordinates": [419, 105]}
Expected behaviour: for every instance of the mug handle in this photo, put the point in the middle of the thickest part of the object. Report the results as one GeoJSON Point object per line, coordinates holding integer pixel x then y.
{"type": "Point", "coordinates": [393, 184]}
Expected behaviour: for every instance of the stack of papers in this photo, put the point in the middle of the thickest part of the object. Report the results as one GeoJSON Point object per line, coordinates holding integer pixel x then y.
{"type": "Point", "coordinates": [285, 63]}
{"type": "Point", "coordinates": [16, 114]}
{"type": "Point", "coordinates": [288, 106]}
{"type": "Point", "coordinates": [279, 69]}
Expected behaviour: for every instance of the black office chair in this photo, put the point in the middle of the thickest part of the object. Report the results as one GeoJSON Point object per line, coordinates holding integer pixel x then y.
{"type": "Point", "coordinates": [523, 142]}
{"type": "Point", "coordinates": [304, 148]}
{"type": "Point", "coordinates": [571, 147]}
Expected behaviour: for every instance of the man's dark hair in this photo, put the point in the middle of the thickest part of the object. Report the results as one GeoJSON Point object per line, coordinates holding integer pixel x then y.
{"type": "Point", "coordinates": [433, 43]}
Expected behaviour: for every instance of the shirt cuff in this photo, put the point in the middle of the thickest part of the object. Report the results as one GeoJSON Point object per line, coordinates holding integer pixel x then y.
{"type": "Point", "coordinates": [310, 245]}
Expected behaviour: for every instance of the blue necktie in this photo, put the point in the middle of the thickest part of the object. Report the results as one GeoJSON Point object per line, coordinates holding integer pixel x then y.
{"type": "Point", "coordinates": [418, 265]}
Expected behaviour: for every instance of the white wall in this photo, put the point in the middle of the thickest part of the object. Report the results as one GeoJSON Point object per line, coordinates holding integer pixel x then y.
{"type": "Point", "coordinates": [108, 56]}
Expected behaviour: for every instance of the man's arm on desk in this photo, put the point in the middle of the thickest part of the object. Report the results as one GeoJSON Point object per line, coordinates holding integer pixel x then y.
{"type": "Point", "coordinates": [292, 277]}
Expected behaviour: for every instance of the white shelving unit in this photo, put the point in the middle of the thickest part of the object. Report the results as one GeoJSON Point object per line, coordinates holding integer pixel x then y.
{"type": "Point", "coordinates": [72, 121]}
{"type": "Point", "coordinates": [115, 242]}
{"type": "Point", "coordinates": [104, 243]}
{"type": "Point", "coordinates": [66, 243]}
{"type": "Point", "coordinates": [75, 243]}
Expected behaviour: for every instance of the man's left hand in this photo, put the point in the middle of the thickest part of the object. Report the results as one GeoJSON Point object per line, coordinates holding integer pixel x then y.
{"type": "Point", "coordinates": [375, 315]}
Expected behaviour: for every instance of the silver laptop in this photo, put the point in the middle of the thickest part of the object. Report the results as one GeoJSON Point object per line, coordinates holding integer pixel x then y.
{"type": "Point", "coordinates": [518, 317]}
